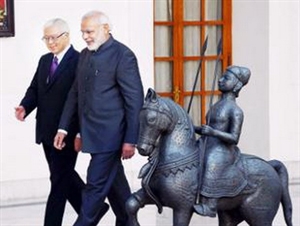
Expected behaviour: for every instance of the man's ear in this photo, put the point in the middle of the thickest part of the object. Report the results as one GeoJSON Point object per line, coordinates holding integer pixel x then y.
{"type": "Point", "coordinates": [237, 87]}
{"type": "Point", "coordinates": [106, 27]}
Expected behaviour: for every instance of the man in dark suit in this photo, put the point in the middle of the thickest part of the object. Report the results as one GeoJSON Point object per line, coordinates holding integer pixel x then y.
{"type": "Point", "coordinates": [47, 93]}
{"type": "Point", "coordinates": [108, 95]}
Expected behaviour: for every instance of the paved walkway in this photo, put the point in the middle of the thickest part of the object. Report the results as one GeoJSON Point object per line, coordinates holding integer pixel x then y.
{"type": "Point", "coordinates": [32, 215]}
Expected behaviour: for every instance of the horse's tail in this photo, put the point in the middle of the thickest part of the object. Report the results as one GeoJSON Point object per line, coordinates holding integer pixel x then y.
{"type": "Point", "coordinates": [285, 198]}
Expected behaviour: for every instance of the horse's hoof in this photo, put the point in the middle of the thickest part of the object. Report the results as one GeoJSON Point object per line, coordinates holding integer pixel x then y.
{"type": "Point", "coordinates": [204, 210]}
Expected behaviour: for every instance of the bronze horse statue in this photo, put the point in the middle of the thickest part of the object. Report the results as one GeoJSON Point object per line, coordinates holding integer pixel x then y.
{"type": "Point", "coordinates": [170, 178]}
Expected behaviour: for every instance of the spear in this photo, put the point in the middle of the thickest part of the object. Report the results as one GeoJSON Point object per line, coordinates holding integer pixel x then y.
{"type": "Point", "coordinates": [219, 51]}
{"type": "Point", "coordinates": [204, 47]}
{"type": "Point", "coordinates": [201, 164]}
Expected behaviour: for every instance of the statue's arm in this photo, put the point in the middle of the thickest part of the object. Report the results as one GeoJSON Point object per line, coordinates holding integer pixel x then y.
{"type": "Point", "coordinates": [231, 136]}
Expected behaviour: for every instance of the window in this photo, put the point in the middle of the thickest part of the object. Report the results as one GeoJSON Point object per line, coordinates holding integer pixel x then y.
{"type": "Point", "coordinates": [180, 30]}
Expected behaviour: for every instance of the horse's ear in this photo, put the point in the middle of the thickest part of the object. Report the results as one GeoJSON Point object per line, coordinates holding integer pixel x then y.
{"type": "Point", "coordinates": [151, 95]}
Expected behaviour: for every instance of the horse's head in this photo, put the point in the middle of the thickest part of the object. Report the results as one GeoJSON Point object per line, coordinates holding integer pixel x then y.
{"type": "Point", "coordinates": [155, 119]}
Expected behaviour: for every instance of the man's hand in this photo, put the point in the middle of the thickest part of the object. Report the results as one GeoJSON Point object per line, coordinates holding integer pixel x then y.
{"type": "Point", "coordinates": [207, 130]}
{"type": "Point", "coordinates": [59, 140]}
{"type": "Point", "coordinates": [20, 113]}
{"type": "Point", "coordinates": [128, 151]}
{"type": "Point", "coordinates": [77, 144]}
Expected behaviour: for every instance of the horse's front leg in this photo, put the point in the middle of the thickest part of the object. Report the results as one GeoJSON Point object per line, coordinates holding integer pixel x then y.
{"type": "Point", "coordinates": [182, 217]}
{"type": "Point", "coordinates": [136, 201]}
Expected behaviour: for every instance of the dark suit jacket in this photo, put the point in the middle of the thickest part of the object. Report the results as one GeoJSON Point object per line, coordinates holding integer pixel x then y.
{"type": "Point", "coordinates": [108, 94]}
{"type": "Point", "coordinates": [49, 97]}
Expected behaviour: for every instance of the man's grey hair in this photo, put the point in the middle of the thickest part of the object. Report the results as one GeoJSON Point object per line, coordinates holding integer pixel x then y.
{"type": "Point", "coordinates": [101, 18]}
{"type": "Point", "coordinates": [57, 22]}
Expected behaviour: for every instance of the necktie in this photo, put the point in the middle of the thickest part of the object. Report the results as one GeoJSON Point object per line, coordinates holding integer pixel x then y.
{"type": "Point", "coordinates": [53, 67]}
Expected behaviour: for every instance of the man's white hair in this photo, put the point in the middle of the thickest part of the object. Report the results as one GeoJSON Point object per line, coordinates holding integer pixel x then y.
{"type": "Point", "coordinates": [57, 22]}
{"type": "Point", "coordinates": [101, 18]}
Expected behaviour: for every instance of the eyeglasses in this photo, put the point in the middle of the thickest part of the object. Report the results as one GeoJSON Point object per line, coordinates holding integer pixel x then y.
{"type": "Point", "coordinates": [47, 39]}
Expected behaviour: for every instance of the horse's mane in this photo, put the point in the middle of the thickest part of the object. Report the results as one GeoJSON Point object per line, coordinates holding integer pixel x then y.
{"type": "Point", "coordinates": [170, 108]}
{"type": "Point", "coordinates": [177, 112]}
